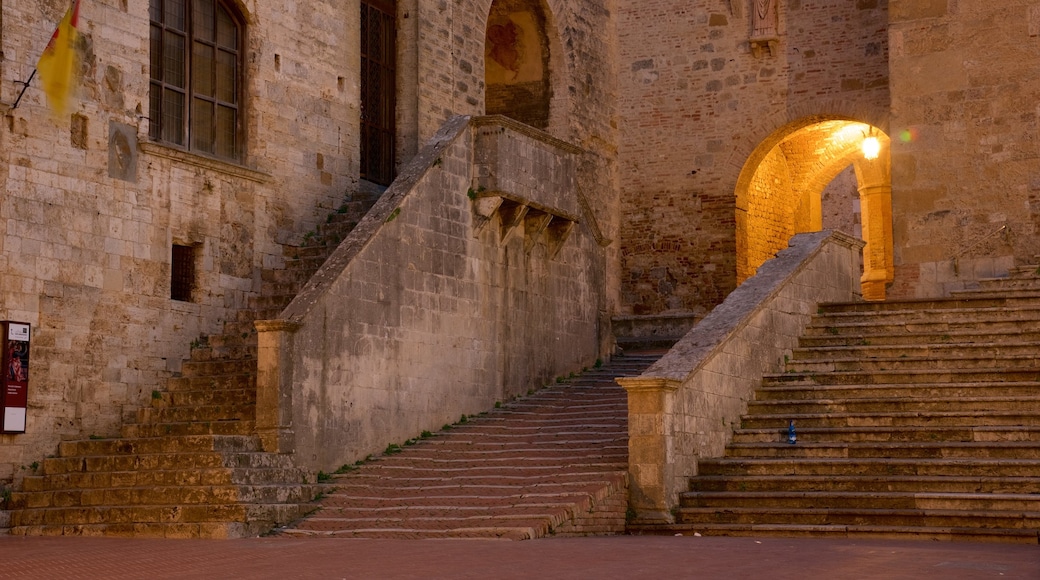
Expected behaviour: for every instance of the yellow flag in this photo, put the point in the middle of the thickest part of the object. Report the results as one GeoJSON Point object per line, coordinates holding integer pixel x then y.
{"type": "Point", "coordinates": [59, 64]}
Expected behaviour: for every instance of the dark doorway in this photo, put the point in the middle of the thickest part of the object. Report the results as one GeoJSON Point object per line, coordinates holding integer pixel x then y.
{"type": "Point", "coordinates": [378, 88]}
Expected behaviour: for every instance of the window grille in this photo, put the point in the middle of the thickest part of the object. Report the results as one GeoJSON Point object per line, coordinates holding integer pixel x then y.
{"type": "Point", "coordinates": [182, 279]}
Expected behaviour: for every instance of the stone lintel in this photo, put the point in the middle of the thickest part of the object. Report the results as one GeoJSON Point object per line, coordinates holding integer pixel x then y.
{"type": "Point", "coordinates": [218, 165]}
{"type": "Point", "coordinates": [277, 325]}
{"type": "Point", "coordinates": [648, 384]}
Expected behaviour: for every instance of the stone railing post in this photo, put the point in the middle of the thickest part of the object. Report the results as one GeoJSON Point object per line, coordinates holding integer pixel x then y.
{"type": "Point", "coordinates": [651, 445]}
{"type": "Point", "coordinates": [274, 395]}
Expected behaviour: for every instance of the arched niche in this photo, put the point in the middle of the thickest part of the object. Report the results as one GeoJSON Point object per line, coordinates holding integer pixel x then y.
{"type": "Point", "coordinates": [518, 62]}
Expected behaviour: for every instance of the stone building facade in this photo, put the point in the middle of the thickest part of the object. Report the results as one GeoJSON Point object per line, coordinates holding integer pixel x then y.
{"type": "Point", "coordinates": [710, 131]}
{"type": "Point", "coordinates": [95, 201]}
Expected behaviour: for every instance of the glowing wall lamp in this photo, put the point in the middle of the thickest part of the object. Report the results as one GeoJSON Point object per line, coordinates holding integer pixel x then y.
{"type": "Point", "coordinates": [871, 146]}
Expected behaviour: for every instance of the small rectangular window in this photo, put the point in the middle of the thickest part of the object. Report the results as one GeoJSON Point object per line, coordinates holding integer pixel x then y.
{"type": "Point", "coordinates": [182, 279]}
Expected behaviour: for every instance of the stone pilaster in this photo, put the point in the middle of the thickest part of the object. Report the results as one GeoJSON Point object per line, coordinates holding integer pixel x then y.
{"type": "Point", "coordinates": [878, 267]}
{"type": "Point", "coordinates": [650, 447]}
{"type": "Point", "coordinates": [274, 384]}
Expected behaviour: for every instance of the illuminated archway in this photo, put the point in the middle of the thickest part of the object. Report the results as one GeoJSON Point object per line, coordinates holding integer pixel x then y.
{"type": "Point", "coordinates": [780, 194]}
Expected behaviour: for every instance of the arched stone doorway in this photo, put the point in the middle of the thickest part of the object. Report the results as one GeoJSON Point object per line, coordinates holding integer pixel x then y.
{"type": "Point", "coordinates": [811, 175]}
{"type": "Point", "coordinates": [518, 60]}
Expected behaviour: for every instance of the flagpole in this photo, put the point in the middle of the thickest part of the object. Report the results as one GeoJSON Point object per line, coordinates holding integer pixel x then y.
{"type": "Point", "coordinates": [25, 87]}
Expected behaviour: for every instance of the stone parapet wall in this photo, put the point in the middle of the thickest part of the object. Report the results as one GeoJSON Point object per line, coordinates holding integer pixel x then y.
{"type": "Point", "coordinates": [420, 317]}
{"type": "Point", "coordinates": [685, 406]}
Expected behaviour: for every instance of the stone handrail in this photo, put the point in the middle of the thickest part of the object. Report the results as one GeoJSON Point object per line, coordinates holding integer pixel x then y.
{"type": "Point", "coordinates": [685, 406]}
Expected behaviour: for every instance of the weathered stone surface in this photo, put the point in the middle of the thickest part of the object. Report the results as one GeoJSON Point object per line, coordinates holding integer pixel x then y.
{"type": "Point", "coordinates": [417, 318]}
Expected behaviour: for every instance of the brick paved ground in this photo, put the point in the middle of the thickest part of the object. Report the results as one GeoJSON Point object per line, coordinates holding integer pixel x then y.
{"type": "Point", "coordinates": [602, 557]}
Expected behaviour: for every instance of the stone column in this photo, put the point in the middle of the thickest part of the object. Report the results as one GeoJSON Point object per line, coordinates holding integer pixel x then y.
{"type": "Point", "coordinates": [876, 214]}
{"type": "Point", "coordinates": [274, 384]}
{"type": "Point", "coordinates": [650, 448]}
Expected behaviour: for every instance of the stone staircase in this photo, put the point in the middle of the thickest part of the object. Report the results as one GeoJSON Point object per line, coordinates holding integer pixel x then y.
{"type": "Point", "coordinates": [553, 463]}
{"type": "Point", "coordinates": [190, 465]}
{"type": "Point", "coordinates": [913, 419]}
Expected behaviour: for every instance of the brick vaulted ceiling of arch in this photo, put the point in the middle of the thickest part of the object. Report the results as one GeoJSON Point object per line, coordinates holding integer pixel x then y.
{"type": "Point", "coordinates": [784, 197]}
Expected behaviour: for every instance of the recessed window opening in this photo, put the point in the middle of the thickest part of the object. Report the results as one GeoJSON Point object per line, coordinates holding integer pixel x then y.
{"type": "Point", "coordinates": [182, 279]}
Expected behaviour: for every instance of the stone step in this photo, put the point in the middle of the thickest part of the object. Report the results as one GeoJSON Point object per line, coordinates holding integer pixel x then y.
{"type": "Point", "coordinates": [941, 362]}
{"type": "Point", "coordinates": [875, 517]}
{"type": "Point", "coordinates": [890, 434]}
{"type": "Point", "coordinates": [218, 368]}
{"type": "Point", "coordinates": [509, 430]}
{"type": "Point", "coordinates": [242, 330]}
{"type": "Point", "coordinates": [874, 467]}
{"type": "Point", "coordinates": [151, 445]}
{"type": "Point", "coordinates": [1021, 294]}
{"type": "Point", "coordinates": [32, 507]}
{"type": "Point", "coordinates": [942, 337]}
{"type": "Point", "coordinates": [198, 521]}
{"type": "Point", "coordinates": [236, 427]}
{"type": "Point", "coordinates": [207, 413]}
{"type": "Point", "coordinates": [502, 478]}
{"type": "Point", "coordinates": [473, 529]}
{"type": "Point", "coordinates": [891, 449]}
{"type": "Point", "coordinates": [869, 483]}
{"type": "Point", "coordinates": [879, 377]}
{"type": "Point", "coordinates": [508, 471]}
{"type": "Point", "coordinates": [943, 352]}
{"type": "Point", "coordinates": [927, 305]}
{"type": "Point", "coordinates": [911, 390]}
{"type": "Point", "coordinates": [230, 341]}
{"type": "Point", "coordinates": [213, 476]}
{"type": "Point", "coordinates": [238, 382]}
{"type": "Point", "coordinates": [476, 442]}
{"type": "Point", "coordinates": [1022, 280]}
{"type": "Point", "coordinates": [204, 397]}
{"type": "Point", "coordinates": [223, 352]}
{"type": "Point", "coordinates": [163, 461]}
{"type": "Point", "coordinates": [887, 405]}
{"type": "Point", "coordinates": [1005, 504]}
{"type": "Point", "coordinates": [477, 460]}
{"type": "Point", "coordinates": [856, 532]}
{"type": "Point", "coordinates": [969, 417]}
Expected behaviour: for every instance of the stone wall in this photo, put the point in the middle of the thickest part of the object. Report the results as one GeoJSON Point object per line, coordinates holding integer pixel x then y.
{"type": "Point", "coordinates": [696, 102]}
{"type": "Point", "coordinates": [965, 155]}
{"type": "Point", "coordinates": [771, 213]}
{"type": "Point", "coordinates": [685, 406]}
{"type": "Point", "coordinates": [86, 226]}
{"type": "Point", "coordinates": [429, 310]}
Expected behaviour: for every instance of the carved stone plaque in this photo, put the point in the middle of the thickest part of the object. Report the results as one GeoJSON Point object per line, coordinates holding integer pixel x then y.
{"type": "Point", "coordinates": [122, 151]}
